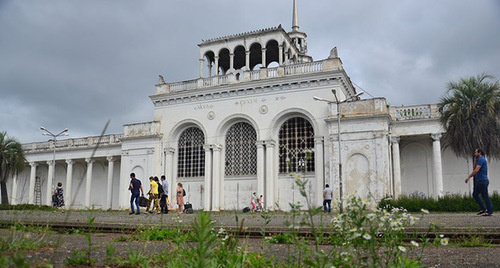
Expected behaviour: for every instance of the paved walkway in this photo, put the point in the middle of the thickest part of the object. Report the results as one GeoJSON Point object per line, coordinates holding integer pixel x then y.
{"type": "Point", "coordinates": [446, 222]}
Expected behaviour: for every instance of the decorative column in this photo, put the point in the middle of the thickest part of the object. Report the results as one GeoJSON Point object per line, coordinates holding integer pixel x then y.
{"type": "Point", "coordinates": [247, 60]}
{"type": "Point", "coordinates": [201, 67]}
{"type": "Point", "coordinates": [264, 57]}
{"type": "Point", "coordinates": [216, 66]}
{"type": "Point", "coordinates": [88, 182]}
{"type": "Point", "coordinates": [271, 179]}
{"type": "Point", "coordinates": [13, 198]}
{"type": "Point", "coordinates": [231, 62]}
{"type": "Point", "coordinates": [68, 196]}
{"type": "Point", "coordinates": [31, 191]}
{"type": "Point", "coordinates": [280, 56]}
{"type": "Point", "coordinates": [109, 189]}
{"type": "Point", "coordinates": [396, 165]}
{"type": "Point", "coordinates": [209, 67]}
{"type": "Point", "coordinates": [437, 166]}
{"type": "Point", "coordinates": [319, 167]}
{"type": "Point", "coordinates": [260, 167]}
{"type": "Point", "coordinates": [48, 192]}
{"type": "Point", "coordinates": [169, 172]}
{"type": "Point", "coordinates": [216, 191]}
{"type": "Point", "coordinates": [208, 178]}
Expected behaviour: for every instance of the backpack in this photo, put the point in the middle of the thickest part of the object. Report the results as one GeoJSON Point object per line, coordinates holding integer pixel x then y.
{"type": "Point", "coordinates": [160, 188]}
{"type": "Point", "coordinates": [183, 192]}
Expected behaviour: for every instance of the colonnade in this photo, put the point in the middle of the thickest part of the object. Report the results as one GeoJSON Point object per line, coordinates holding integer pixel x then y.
{"type": "Point", "coordinates": [437, 166]}
{"type": "Point", "coordinates": [247, 60]}
{"type": "Point", "coordinates": [68, 198]}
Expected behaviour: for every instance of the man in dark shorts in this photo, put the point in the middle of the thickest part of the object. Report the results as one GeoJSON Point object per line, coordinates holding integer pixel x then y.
{"type": "Point", "coordinates": [136, 189]}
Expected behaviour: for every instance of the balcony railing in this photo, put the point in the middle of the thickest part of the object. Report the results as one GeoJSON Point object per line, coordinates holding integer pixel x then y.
{"type": "Point", "coordinates": [237, 77]}
{"type": "Point", "coordinates": [414, 112]}
{"type": "Point", "coordinates": [114, 139]}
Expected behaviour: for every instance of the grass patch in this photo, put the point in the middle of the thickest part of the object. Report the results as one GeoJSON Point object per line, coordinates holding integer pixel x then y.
{"type": "Point", "coordinates": [446, 203]}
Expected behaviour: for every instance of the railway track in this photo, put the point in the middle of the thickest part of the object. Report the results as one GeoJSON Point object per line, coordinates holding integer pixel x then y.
{"type": "Point", "coordinates": [453, 234]}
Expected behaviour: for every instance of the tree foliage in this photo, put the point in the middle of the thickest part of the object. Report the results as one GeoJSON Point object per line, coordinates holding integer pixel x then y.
{"type": "Point", "coordinates": [11, 161]}
{"type": "Point", "coordinates": [470, 114]}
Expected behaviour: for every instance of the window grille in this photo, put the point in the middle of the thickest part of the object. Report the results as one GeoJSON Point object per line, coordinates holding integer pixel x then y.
{"type": "Point", "coordinates": [296, 146]}
{"type": "Point", "coordinates": [191, 158]}
{"type": "Point", "coordinates": [241, 150]}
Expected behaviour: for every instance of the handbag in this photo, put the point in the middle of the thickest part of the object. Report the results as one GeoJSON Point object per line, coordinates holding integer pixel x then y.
{"type": "Point", "coordinates": [143, 201]}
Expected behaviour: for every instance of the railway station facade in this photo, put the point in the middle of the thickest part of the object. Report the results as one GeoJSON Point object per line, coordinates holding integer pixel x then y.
{"type": "Point", "coordinates": [252, 122]}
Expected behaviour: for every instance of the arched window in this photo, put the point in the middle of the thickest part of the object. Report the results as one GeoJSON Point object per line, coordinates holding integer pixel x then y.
{"type": "Point", "coordinates": [241, 150]}
{"type": "Point", "coordinates": [191, 158]}
{"type": "Point", "coordinates": [296, 146]}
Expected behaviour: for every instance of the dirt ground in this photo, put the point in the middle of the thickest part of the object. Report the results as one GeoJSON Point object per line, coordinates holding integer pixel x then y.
{"type": "Point", "coordinates": [59, 247]}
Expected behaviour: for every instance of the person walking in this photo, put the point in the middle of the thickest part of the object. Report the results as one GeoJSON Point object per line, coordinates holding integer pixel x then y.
{"type": "Point", "coordinates": [135, 188]}
{"type": "Point", "coordinates": [253, 201]}
{"type": "Point", "coordinates": [58, 197]}
{"type": "Point", "coordinates": [164, 195]}
{"type": "Point", "coordinates": [180, 197]}
{"type": "Point", "coordinates": [153, 196]}
{"type": "Point", "coordinates": [480, 174]}
{"type": "Point", "coordinates": [327, 198]}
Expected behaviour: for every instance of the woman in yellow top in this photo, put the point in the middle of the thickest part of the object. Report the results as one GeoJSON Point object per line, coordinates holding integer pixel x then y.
{"type": "Point", "coordinates": [153, 196]}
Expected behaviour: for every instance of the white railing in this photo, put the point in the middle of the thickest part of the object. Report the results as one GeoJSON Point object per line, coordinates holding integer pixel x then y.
{"type": "Point", "coordinates": [273, 72]}
{"type": "Point", "coordinates": [185, 85]}
{"type": "Point", "coordinates": [255, 75]}
{"type": "Point", "coordinates": [113, 139]}
{"type": "Point", "coordinates": [311, 67]}
{"type": "Point", "coordinates": [414, 112]}
{"type": "Point", "coordinates": [303, 68]}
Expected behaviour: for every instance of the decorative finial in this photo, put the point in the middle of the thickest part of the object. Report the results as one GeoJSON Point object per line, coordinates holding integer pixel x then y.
{"type": "Point", "coordinates": [295, 20]}
{"type": "Point", "coordinates": [161, 80]}
{"type": "Point", "coordinates": [333, 53]}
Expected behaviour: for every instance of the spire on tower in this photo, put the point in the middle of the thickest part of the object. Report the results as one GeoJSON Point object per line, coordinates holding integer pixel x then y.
{"type": "Point", "coordinates": [295, 20]}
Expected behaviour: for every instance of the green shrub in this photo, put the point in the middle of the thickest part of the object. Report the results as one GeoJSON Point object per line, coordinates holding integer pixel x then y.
{"type": "Point", "coordinates": [446, 203]}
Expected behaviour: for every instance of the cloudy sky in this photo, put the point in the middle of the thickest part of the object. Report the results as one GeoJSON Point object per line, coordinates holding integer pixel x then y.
{"type": "Point", "coordinates": [76, 64]}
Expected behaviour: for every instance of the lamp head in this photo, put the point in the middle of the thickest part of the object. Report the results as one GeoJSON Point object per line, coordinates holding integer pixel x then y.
{"type": "Point", "coordinates": [42, 128]}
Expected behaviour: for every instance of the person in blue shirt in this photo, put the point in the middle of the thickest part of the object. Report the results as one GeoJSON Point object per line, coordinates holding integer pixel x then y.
{"type": "Point", "coordinates": [480, 174]}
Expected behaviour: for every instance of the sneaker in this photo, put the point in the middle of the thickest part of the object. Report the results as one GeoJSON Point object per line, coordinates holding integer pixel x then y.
{"type": "Point", "coordinates": [131, 213]}
{"type": "Point", "coordinates": [137, 213]}
{"type": "Point", "coordinates": [481, 212]}
{"type": "Point", "coordinates": [487, 214]}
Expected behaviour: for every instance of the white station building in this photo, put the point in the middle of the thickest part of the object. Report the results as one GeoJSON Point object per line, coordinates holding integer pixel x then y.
{"type": "Point", "coordinates": [262, 114]}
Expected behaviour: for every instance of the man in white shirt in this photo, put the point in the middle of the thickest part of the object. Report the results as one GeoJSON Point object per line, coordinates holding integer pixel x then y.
{"type": "Point", "coordinates": [327, 198]}
{"type": "Point", "coordinates": [164, 196]}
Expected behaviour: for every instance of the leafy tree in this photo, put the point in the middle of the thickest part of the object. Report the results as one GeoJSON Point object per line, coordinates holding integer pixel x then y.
{"type": "Point", "coordinates": [470, 113]}
{"type": "Point", "coordinates": [11, 161]}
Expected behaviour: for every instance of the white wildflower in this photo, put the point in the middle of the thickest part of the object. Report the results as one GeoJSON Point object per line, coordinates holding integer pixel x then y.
{"type": "Point", "coordinates": [402, 249]}
{"type": "Point", "coordinates": [367, 236]}
{"type": "Point", "coordinates": [425, 211]}
{"type": "Point", "coordinates": [414, 243]}
{"type": "Point", "coordinates": [444, 241]}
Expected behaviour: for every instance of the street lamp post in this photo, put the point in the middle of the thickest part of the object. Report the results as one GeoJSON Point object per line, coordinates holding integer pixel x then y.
{"type": "Point", "coordinates": [54, 139]}
{"type": "Point", "coordinates": [341, 188]}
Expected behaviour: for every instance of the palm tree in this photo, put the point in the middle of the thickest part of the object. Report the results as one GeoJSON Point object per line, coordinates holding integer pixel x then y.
{"type": "Point", "coordinates": [470, 113]}
{"type": "Point", "coordinates": [11, 161]}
